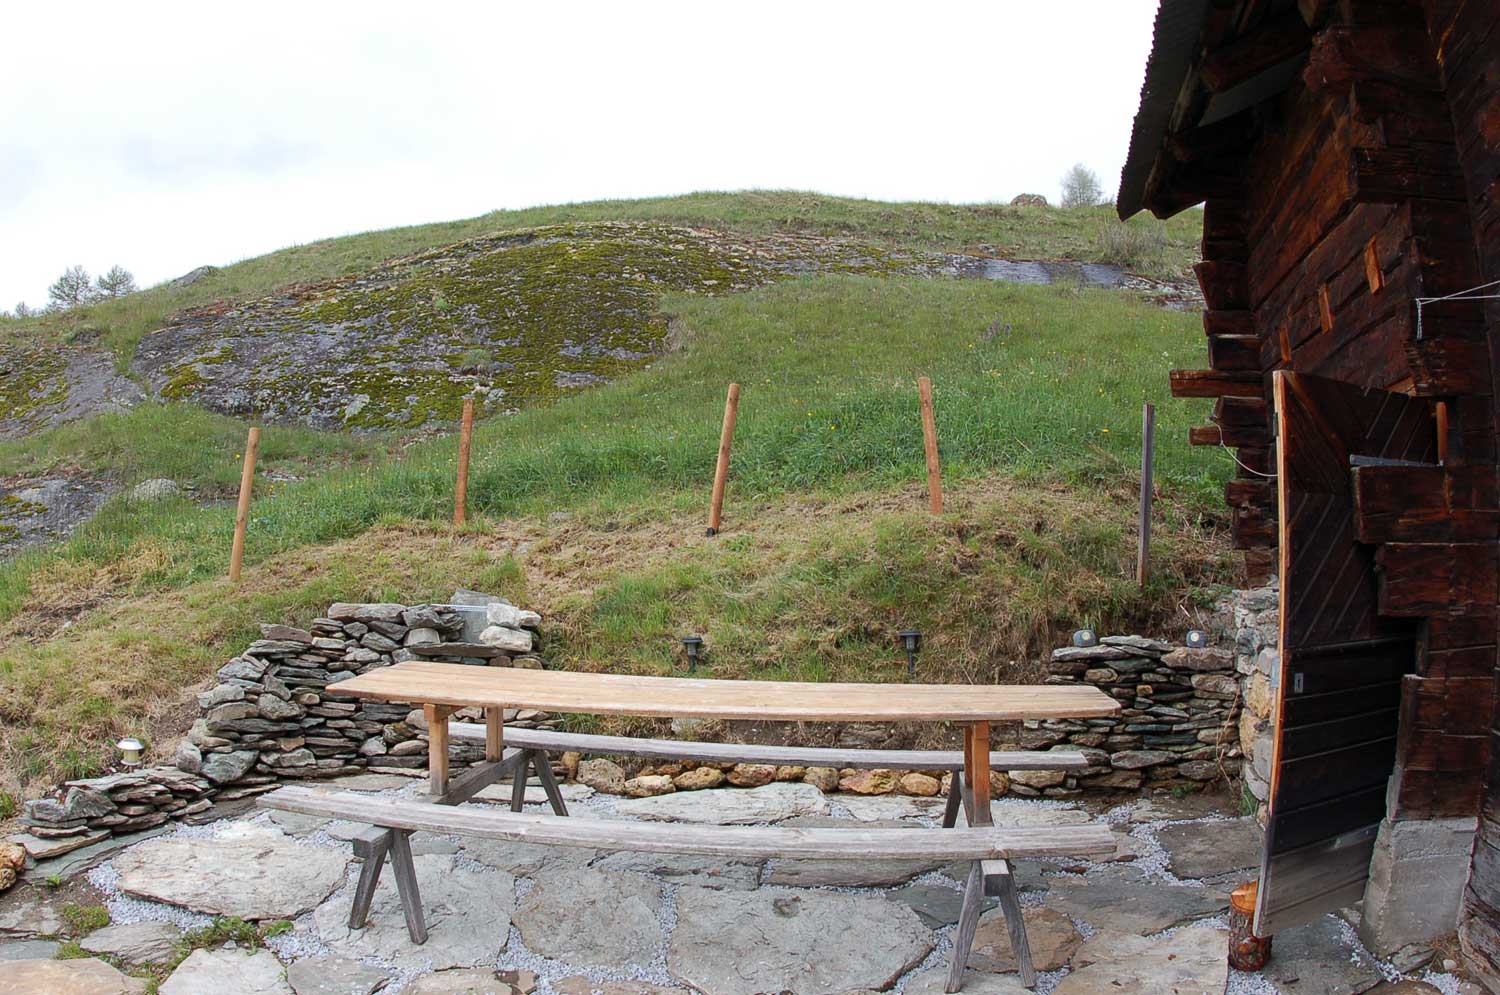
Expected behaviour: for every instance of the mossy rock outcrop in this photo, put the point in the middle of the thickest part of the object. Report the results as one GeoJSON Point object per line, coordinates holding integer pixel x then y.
{"type": "Point", "coordinates": [44, 387]}
{"type": "Point", "coordinates": [513, 318]}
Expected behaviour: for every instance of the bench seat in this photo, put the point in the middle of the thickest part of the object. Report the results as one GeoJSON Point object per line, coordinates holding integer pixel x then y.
{"type": "Point", "coordinates": [751, 753]}
{"type": "Point", "coordinates": [988, 849]}
{"type": "Point", "coordinates": [978, 843]}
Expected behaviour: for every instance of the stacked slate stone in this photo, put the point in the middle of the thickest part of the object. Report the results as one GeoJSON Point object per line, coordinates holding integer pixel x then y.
{"type": "Point", "coordinates": [1177, 728]}
{"type": "Point", "coordinates": [271, 718]}
{"type": "Point", "coordinates": [91, 809]}
{"type": "Point", "coordinates": [1258, 662]}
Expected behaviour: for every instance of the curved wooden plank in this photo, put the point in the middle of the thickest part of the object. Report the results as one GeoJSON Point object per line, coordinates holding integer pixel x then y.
{"type": "Point", "coordinates": [974, 843]}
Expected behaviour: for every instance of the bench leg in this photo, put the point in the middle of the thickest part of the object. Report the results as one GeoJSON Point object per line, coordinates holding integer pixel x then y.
{"type": "Point", "coordinates": [1003, 886]}
{"type": "Point", "coordinates": [372, 854]}
{"type": "Point", "coordinates": [549, 782]}
{"type": "Point", "coordinates": [968, 922]}
{"type": "Point", "coordinates": [955, 798]}
{"type": "Point", "coordinates": [518, 784]}
{"type": "Point", "coordinates": [406, 885]}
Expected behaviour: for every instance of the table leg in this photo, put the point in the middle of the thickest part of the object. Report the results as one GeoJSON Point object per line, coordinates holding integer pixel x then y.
{"type": "Point", "coordinates": [494, 733]}
{"type": "Point", "coordinates": [437, 748]}
{"type": "Point", "coordinates": [977, 770]}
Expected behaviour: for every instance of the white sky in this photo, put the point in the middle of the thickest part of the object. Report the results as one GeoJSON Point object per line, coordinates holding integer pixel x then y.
{"type": "Point", "coordinates": [164, 136]}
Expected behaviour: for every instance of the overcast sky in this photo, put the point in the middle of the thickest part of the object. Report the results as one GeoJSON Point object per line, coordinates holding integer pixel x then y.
{"type": "Point", "coordinates": [165, 136]}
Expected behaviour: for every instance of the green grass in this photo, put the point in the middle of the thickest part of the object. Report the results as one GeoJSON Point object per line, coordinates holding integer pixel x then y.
{"type": "Point", "coordinates": [1041, 383]}
{"type": "Point", "coordinates": [826, 550]}
{"type": "Point", "coordinates": [1019, 232]}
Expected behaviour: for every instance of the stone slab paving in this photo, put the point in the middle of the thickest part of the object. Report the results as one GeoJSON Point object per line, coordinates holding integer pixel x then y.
{"type": "Point", "coordinates": [525, 919]}
{"type": "Point", "coordinates": [28, 950]}
{"type": "Point", "coordinates": [134, 943]}
{"type": "Point", "coordinates": [228, 972]}
{"type": "Point", "coordinates": [1300, 960]}
{"type": "Point", "coordinates": [69, 977]}
{"type": "Point", "coordinates": [775, 939]}
{"type": "Point", "coordinates": [1126, 899]}
{"type": "Point", "coordinates": [468, 915]}
{"type": "Point", "coordinates": [1052, 936]}
{"type": "Point", "coordinates": [1192, 961]}
{"type": "Point", "coordinates": [334, 976]}
{"type": "Point", "coordinates": [249, 870]}
{"type": "Point", "coordinates": [593, 918]}
{"type": "Point", "coordinates": [1211, 849]}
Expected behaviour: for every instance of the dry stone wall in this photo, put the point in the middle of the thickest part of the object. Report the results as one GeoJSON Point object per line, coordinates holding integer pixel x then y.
{"type": "Point", "coordinates": [270, 718]}
{"type": "Point", "coordinates": [1178, 727]}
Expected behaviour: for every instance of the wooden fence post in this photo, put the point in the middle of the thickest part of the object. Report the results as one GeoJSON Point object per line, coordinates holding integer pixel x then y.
{"type": "Point", "coordinates": [242, 513]}
{"type": "Point", "coordinates": [929, 439]}
{"type": "Point", "coordinates": [465, 440]}
{"type": "Point", "coordinates": [721, 471]}
{"type": "Point", "coordinates": [1148, 453]}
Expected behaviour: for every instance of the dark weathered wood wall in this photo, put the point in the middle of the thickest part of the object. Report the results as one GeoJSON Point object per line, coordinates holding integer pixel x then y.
{"type": "Point", "coordinates": [1466, 36]}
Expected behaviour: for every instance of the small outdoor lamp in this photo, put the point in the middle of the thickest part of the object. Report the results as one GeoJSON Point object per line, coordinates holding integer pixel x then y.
{"type": "Point", "coordinates": [912, 640]}
{"type": "Point", "coordinates": [1085, 638]}
{"type": "Point", "coordinates": [694, 646]}
{"type": "Point", "coordinates": [1197, 639]}
{"type": "Point", "coordinates": [130, 751]}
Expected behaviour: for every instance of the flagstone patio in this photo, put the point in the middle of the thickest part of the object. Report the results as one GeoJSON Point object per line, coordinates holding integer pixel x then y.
{"type": "Point", "coordinates": [516, 919]}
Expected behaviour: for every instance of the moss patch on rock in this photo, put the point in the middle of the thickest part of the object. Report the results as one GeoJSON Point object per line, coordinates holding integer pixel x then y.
{"type": "Point", "coordinates": [516, 319]}
{"type": "Point", "coordinates": [31, 381]}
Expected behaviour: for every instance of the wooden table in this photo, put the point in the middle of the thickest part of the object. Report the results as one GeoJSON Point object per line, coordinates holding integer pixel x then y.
{"type": "Point", "coordinates": [442, 688]}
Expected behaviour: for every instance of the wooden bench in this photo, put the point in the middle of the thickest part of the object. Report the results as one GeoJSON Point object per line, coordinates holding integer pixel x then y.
{"type": "Point", "coordinates": [536, 743]}
{"type": "Point", "coordinates": [989, 849]}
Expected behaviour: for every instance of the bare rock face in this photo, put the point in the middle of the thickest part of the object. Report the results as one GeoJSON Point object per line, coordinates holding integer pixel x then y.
{"type": "Point", "coordinates": [698, 778]}
{"type": "Point", "coordinates": [774, 940]}
{"type": "Point", "coordinates": [247, 871]}
{"type": "Point", "coordinates": [12, 860]}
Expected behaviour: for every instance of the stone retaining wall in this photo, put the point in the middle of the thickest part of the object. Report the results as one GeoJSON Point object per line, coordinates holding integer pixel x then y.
{"type": "Point", "coordinates": [270, 719]}
{"type": "Point", "coordinates": [1177, 729]}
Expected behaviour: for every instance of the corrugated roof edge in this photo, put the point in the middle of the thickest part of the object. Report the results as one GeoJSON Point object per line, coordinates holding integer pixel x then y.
{"type": "Point", "coordinates": [1175, 40]}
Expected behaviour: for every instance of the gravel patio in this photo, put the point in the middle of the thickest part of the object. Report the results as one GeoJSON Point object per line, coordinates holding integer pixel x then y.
{"type": "Point", "coordinates": [512, 919]}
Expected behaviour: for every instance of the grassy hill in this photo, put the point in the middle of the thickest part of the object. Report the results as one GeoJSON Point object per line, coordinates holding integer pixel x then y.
{"type": "Point", "coordinates": [590, 507]}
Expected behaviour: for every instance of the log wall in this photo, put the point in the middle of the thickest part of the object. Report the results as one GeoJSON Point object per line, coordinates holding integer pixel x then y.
{"type": "Point", "coordinates": [1466, 36]}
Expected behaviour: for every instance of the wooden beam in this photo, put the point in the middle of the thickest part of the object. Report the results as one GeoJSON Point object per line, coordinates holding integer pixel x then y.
{"type": "Point", "coordinates": [1394, 175]}
{"type": "Point", "coordinates": [753, 753]}
{"type": "Point", "coordinates": [1447, 365]}
{"type": "Point", "coordinates": [1214, 140]}
{"type": "Point", "coordinates": [1228, 322]}
{"type": "Point", "coordinates": [1224, 285]}
{"type": "Point", "coordinates": [1434, 579]}
{"type": "Point", "coordinates": [1205, 435]}
{"type": "Point", "coordinates": [1246, 57]}
{"type": "Point", "coordinates": [1426, 504]}
{"type": "Point", "coordinates": [1215, 383]}
{"type": "Point", "coordinates": [1238, 353]}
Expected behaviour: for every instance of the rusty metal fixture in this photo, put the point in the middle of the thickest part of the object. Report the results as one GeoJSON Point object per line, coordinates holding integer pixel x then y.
{"type": "Point", "coordinates": [1247, 952]}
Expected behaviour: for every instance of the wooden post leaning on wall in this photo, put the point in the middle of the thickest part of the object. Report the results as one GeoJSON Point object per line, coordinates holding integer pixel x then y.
{"type": "Point", "coordinates": [465, 440]}
{"type": "Point", "coordinates": [929, 441]}
{"type": "Point", "coordinates": [721, 471]}
{"type": "Point", "coordinates": [1148, 455]}
{"type": "Point", "coordinates": [242, 512]}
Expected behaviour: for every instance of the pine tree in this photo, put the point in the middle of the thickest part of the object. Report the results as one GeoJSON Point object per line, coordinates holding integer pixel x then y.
{"type": "Point", "coordinates": [71, 289]}
{"type": "Point", "coordinates": [116, 283]}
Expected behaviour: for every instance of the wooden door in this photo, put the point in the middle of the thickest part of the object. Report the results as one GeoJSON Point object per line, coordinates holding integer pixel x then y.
{"type": "Point", "coordinates": [1339, 687]}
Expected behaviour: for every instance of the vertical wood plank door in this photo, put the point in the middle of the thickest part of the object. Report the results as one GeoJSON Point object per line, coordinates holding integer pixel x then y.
{"type": "Point", "coordinates": [1338, 691]}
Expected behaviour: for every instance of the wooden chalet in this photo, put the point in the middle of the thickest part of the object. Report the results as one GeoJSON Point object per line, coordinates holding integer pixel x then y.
{"type": "Point", "coordinates": [1347, 157]}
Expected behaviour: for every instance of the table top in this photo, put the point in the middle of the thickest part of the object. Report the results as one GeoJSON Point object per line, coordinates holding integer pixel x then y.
{"type": "Point", "coordinates": [461, 685]}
